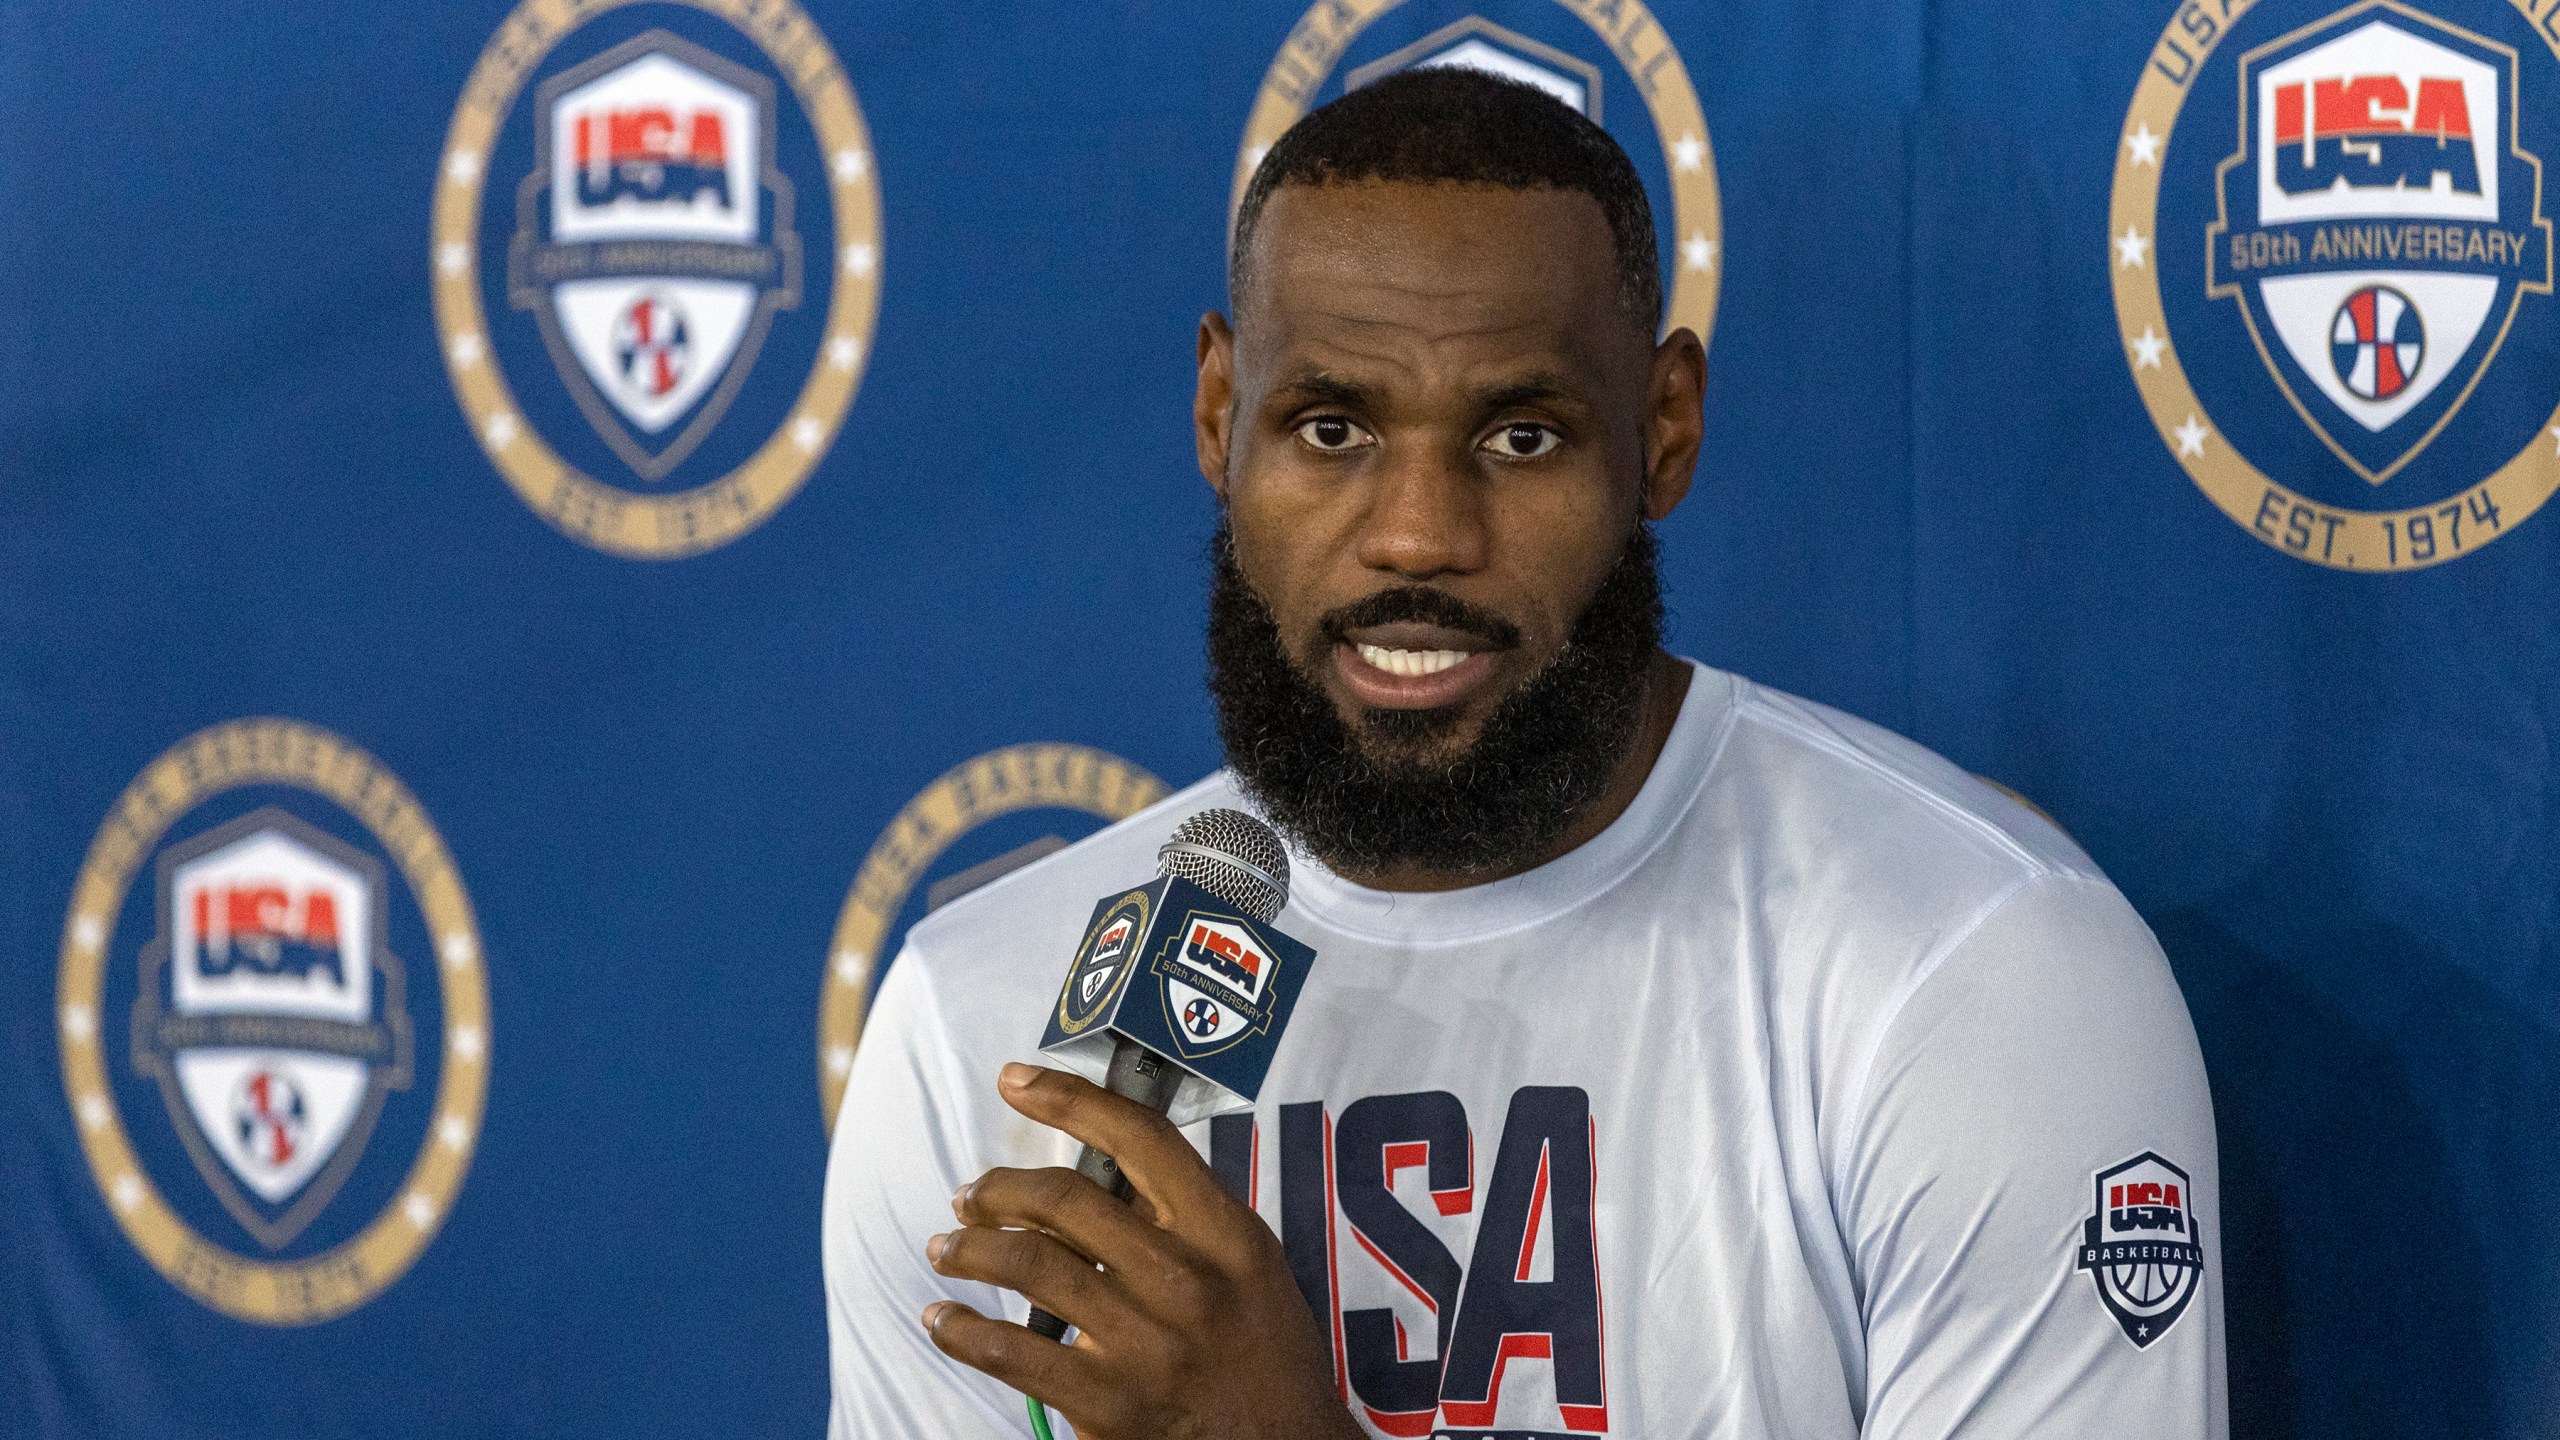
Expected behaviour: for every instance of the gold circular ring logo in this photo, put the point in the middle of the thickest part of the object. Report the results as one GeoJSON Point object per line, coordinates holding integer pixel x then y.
{"type": "Point", "coordinates": [2370, 541]}
{"type": "Point", "coordinates": [707, 516]}
{"type": "Point", "coordinates": [1316, 44]}
{"type": "Point", "coordinates": [1000, 782]}
{"type": "Point", "coordinates": [206, 764]}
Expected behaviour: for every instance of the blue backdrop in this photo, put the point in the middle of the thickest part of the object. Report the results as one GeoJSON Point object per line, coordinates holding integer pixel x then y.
{"type": "Point", "coordinates": [565, 483]}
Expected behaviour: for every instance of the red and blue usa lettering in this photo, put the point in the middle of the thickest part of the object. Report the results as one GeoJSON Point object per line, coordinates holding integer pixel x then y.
{"type": "Point", "coordinates": [1529, 1292]}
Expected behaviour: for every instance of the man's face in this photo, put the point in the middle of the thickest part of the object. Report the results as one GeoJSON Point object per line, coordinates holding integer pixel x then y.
{"type": "Point", "coordinates": [1435, 387]}
{"type": "Point", "coordinates": [1435, 431]}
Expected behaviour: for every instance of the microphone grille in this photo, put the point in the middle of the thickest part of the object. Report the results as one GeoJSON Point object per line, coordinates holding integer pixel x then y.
{"type": "Point", "coordinates": [1232, 856]}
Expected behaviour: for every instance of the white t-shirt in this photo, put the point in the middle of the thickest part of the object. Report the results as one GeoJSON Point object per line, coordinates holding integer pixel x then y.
{"type": "Point", "coordinates": [1827, 1093]}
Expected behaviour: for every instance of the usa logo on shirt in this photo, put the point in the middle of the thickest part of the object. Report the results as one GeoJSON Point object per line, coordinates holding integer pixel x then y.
{"type": "Point", "coordinates": [2143, 1247]}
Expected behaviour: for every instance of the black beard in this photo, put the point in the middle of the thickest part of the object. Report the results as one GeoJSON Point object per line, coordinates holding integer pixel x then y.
{"type": "Point", "coordinates": [1390, 789]}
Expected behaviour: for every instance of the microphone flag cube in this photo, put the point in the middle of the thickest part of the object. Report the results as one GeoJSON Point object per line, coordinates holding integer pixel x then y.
{"type": "Point", "coordinates": [1189, 976]}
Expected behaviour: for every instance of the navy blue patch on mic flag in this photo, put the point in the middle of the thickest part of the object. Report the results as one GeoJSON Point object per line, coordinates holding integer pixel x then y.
{"type": "Point", "coordinates": [1189, 976]}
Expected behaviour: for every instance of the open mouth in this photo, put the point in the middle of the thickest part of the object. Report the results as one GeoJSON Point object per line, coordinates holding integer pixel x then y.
{"type": "Point", "coordinates": [1410, 662]}
{"type": "Point", "coordinates": [1413, 666]}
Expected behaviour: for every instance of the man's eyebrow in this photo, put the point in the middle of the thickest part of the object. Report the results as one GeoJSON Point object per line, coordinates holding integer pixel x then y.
{"type": "Point", "coordinates": [1537, 388]}
{"type": "Point", "coordinates": [1321, 387]}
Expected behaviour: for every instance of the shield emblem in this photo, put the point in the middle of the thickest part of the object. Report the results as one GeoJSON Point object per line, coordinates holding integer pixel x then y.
{"type": "Point", "coordinates": [272, 1013]}
{"type": "Point", "coordinates": [2379, 224]}
{"type": "Point", "coordinates": [654, 240]}
{"type": "Point", "coordinates": [2143, 1246]}
{"type": "Point", "coordinates": [1216, 976]}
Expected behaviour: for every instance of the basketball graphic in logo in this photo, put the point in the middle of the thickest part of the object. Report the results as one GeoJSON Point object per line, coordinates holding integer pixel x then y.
{"type": "Point", "coordinates": [2378, 342]}
{"type": "Point", "coordinates": [652, 353]}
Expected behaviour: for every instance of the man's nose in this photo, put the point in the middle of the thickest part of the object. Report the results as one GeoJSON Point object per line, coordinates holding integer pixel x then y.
{"type": "Point", "coordinates": [1426, 513]}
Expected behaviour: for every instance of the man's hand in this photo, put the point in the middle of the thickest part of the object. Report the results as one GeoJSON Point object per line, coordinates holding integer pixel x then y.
{"type": "Point", "coordinates": [1190, 1329]}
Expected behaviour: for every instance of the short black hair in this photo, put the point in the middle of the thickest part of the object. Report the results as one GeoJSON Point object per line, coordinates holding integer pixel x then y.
{"type": "Point", "coordinates": [1444, 123]}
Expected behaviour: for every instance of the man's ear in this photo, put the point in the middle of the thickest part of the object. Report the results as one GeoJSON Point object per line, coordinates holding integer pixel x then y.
{"type": "Point", "coordinates": [1213, 403]}
{"type": "Point", "coordinates": [1676, 423]}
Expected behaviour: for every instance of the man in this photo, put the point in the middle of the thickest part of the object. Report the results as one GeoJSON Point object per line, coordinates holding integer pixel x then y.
{"type": "Point", "coordinates": [1683, 1059]}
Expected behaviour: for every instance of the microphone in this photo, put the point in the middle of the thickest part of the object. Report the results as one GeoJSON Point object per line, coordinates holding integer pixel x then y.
{"type": "Point", "coordinates": [1181, 987]}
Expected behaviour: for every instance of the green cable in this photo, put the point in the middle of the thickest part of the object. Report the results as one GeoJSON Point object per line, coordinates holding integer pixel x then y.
{"type": "Point", "coordinates": [1039, 1418]}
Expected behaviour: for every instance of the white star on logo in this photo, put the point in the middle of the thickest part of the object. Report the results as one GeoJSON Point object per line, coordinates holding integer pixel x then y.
{"type": "Point", "coordinates": [851, 966]}
{"type": "Point", "coordinates": [87, 933]}
{"type": "Point", "coordinates": [851, 165]}
{"type": "Point", "coordinates": [2191, 437]}
{"type": "Point", "coordinates": [2131, 246]}
{"type": "Point", "coordinates": [79, 1021]}
{"type": "Point", "coordinates": [842, 351]}
{"type": "Point", "coordinates": [2555, 439]}
{"type": "Point", "coordinates": [466, 1041]}
{"type": "Point", "coordinates": [463, 166]}
{"type": "Point", "coordinates": [420, 1210]}
{"type": "Point", "coordinates": [453, 257]}
{"type": "Point", "coordinates": [93, 1110]}
{"type": "Point", "coordinates": [1253, 158]}
{"type": "Point", "coordinates": [2147, 347]}
{"type": "Point", "coordinates": [453, 1132]}
{"type": "Point", "coordinates": [502, 430]}
{"type": "Point", "coordinates": [1698, 252]}
{"type": "Point", "coordinates": [128, 1191]}
{"type": "Point", "coordinates": [839, 1060]}
{"type": "Point", "coordinates": [859, 258]}
{"type": "Point", "coordinates": [1688, 153]}
{"type": "Point", "coordinates": [2145, 146]}
{"type": "Point", "coordinates": [467, 350]}
{"type": "Point", "coordinates": [806, 433]}
{"type": "Point", "coordinates": [458, 950]}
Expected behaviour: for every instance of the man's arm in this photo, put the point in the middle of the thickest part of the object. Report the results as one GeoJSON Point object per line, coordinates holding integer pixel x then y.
{"type": "Point", "coordinates": [902, 1146]}
{"type": "Point", "coordinates": [2011, 1103]}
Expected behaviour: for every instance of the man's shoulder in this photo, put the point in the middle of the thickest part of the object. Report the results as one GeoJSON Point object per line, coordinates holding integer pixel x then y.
{"type": "Point", "coordinates": [1851, 793]}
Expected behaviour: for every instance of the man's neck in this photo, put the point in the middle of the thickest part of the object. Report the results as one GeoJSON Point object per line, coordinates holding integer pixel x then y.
{"type": "Point", "coordinates": [1666, 686]}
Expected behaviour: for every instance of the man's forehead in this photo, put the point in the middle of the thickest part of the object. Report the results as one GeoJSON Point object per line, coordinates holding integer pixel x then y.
{"type": "Point", "coordinates": [1344, 272]}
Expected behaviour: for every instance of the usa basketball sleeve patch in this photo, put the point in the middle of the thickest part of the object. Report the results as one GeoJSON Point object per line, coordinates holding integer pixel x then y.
{"type": "Point", "coordinates": [2142, 1246]}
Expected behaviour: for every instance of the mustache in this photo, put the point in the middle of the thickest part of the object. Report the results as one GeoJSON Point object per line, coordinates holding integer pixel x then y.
{"type": "Point", "coordinates": [1423, 605]}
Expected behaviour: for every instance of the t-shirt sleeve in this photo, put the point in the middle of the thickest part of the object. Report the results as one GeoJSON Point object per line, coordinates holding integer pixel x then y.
{"type": "Point", "coordinates": [2029, 1189]}
{"type": "Point", "coordinates": [902, 1146]}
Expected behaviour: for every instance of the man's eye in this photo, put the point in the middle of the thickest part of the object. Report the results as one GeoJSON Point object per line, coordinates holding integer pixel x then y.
{"type": "Point", "coordinates": [1332, 432]}
{"type": "Point", "coordinates": [1523, 441]}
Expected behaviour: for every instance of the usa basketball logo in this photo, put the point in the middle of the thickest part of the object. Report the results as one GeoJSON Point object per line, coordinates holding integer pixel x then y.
{"type": "Point", "coordinates": [2142, 1246]}
{"type": "Point", "coordinates": [694, 203]}
{"type": "Point", "coordinates": [1215, 980]}
{"type": "Point", "coordinates": [275, 1017]}
{"type": "Point", "coordinates": [967, 805]}
{"type": "Point", "coordinates": [2373, 239]}
{"type": "Point", "coordinates": [1581, 55]}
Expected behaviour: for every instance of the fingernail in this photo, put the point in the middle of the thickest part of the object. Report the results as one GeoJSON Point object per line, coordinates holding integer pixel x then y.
{"type": "Point", "coordinates": [934, 1312]}
{"type": "Point", "coordinates": [934, 1247]}
{"type": "Point", "coordinates": [960, 1196]}
{"type": "Point", "coordinates": [1015, 1075]}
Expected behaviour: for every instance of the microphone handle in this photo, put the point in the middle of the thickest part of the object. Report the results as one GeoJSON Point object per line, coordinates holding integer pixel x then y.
{"type": "Point", "coordinates": [1142, 1075]}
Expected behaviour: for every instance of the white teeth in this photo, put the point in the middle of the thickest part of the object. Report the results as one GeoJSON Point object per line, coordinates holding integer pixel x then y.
{"type": "Point", "coordinates": [1410, 662]}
